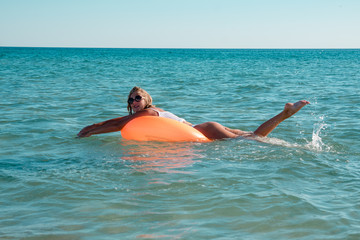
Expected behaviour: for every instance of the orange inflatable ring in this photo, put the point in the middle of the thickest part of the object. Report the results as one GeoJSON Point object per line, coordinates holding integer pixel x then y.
{"type": "Point", "coordinates": [150, 128]}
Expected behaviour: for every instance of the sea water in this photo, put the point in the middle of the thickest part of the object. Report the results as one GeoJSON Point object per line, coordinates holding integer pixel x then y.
{"type": "Point", "coordinates": [302, 182]}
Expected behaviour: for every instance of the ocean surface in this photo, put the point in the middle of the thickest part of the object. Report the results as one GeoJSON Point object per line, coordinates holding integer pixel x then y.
{"type": "Point", "coordinates": [302, 182]}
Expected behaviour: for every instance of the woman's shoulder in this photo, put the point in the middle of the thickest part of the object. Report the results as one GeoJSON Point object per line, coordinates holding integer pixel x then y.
{"type": "Point", "coordinates": [156, 109]}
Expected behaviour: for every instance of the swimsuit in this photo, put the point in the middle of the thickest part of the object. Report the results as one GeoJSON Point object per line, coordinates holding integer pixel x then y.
{"type": "Point", "coordinates": [170, 115]}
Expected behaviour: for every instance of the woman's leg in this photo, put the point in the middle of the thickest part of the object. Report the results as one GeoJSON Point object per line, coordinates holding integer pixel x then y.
{"type": "Point", "coordinates": [214, 130]}
{"type": "Point", "coordinates": [240, 133]}
{"type": "Point", "coordinates": [289, 110]}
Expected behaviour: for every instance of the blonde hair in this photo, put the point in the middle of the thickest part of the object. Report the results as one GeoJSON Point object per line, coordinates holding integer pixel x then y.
{"type": "Point", "coordinates": [142, 93]}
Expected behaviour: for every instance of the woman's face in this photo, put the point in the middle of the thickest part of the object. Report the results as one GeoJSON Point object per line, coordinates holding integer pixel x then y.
{"type": "Point", "coordinates": [135, 105]}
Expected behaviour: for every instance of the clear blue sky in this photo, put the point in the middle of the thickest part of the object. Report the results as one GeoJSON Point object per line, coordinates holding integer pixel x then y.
{"type": "Point", "coordinates": [181, 23]}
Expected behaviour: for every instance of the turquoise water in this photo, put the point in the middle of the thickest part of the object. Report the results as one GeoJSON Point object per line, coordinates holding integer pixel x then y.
{"type": "Point", "coordinates": [303, 182]}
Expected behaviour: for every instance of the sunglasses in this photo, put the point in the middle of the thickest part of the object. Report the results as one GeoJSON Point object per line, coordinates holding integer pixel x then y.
{"type": "Point", "coordinates": [137, 99]}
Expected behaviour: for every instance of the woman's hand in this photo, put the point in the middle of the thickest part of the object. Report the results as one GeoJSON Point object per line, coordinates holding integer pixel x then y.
{"type": "Point", "coordinates": [85, 132]}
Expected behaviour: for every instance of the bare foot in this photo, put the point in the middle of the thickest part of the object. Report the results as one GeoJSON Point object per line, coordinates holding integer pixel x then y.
{"type": "Point", "coordinates": [292, 108]}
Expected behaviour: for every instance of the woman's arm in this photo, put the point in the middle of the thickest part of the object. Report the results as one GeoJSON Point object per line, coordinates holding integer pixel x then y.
{"type": "Point", "coordinates": [112, 125]}
{"type": "Point", "coordinates": [103, 127]}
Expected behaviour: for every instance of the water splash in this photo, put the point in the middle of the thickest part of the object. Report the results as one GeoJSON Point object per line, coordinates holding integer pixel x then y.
{"type": "Point", "coordinates": [317, 143]}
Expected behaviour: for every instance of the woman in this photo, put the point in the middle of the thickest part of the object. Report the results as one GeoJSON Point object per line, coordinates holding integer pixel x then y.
{"type": "Point", "coordinates": [140, 104]}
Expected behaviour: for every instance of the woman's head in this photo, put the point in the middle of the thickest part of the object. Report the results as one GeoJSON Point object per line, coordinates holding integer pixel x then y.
{"type": "Point", "coordinates": [138, 100]}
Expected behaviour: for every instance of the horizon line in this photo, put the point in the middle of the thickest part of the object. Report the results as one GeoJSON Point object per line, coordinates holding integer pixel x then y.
{"type": "Point", "coordinates": [205, 48]}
